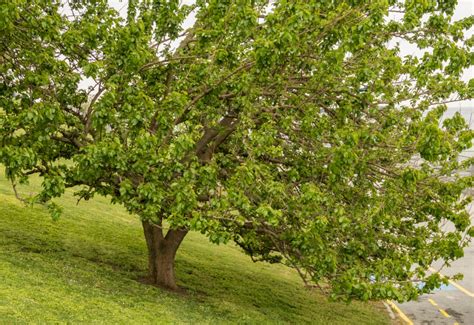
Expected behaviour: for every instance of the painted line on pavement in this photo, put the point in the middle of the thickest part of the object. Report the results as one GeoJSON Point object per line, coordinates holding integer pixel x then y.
{"type": "Point", "coordinates": [400, 312]}
{"type": "Point", "coordinates": [433, 302]}
{"type": "Point", "coordinates": [442, 311]}
{"type": "Point", "coordinates": [458, 286]}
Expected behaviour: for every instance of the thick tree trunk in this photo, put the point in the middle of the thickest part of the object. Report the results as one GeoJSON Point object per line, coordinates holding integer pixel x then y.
{"type": "Point", "coordinates": [161, 253]}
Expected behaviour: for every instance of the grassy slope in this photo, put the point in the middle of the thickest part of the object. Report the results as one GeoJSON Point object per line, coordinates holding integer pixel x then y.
{"type": "Point", "coordinates": [83, 268]}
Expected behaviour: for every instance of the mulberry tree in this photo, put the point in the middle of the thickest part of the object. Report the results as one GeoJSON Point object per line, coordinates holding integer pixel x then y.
{"type": "Point", "coordinates": [287, 127]}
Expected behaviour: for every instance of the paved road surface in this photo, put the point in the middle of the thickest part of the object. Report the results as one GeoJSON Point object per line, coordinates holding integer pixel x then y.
{"type": "Point", "coordinates": [452, 304]}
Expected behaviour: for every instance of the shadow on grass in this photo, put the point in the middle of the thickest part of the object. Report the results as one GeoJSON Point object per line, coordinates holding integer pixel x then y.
{"type": "Point", "coordinates": [89, 258]}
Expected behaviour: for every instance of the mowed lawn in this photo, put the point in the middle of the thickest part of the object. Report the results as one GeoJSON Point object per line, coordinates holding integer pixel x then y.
{"type": "Point", "coordinates": [85, 268]}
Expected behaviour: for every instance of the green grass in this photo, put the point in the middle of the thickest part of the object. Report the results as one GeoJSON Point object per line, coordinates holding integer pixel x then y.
{"type": "Point", "coordinates": [84, 268]}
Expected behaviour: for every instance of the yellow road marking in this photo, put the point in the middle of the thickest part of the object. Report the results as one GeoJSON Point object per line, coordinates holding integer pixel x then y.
{"type": "Point", "coordinates": [445, 314]}
{"type": "Point", "coordinates": [458, 286]}
{"type": "Point", "coordinates": [433, 302]}
{"type": "Point", "coordinates": [400, 313]}
{"type": "Point", "coordinates": [442, 311]}
{"type": "Point", "coordinates": [456, 323]}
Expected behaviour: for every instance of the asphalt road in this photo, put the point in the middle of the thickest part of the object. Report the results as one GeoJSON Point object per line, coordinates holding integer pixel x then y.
{"type": "Point", "coordinates": [451, 304]}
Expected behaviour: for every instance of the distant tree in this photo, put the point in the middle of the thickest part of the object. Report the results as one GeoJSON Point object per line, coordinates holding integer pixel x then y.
{"type": "Point", "coordinates": [288, 127]}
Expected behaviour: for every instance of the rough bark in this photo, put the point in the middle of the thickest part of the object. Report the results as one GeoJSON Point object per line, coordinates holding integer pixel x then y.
{"type": "Point", "coordinates": [161, 253]}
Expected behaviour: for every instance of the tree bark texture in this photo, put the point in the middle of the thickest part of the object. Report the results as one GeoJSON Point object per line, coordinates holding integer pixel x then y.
{"type": "Point", "coordinates": [161, 253]}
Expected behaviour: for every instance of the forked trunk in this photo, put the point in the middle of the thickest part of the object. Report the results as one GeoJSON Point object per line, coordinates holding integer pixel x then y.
{"type": "Point", "coordinates": [161, 253]}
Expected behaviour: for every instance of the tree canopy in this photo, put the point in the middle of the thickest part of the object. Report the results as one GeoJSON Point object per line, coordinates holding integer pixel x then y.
{"type": "Point", "coordinates": [288, 127]}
